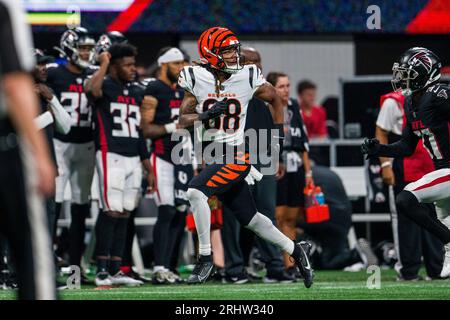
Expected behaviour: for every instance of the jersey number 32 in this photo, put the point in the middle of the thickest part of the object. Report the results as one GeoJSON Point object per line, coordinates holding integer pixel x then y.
{"type": "Point", "coordinates": [126, 120]}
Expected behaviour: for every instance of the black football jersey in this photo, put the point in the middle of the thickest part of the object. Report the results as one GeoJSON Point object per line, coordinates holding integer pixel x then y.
{"type": "Point", "coordinates": [167, 111]}
{"type": "Point", "coordinates": [429, 120]}
{"type": "Point", "coordinates": [68, 88]}
{"type": "Point", "coordinates": [117, 119]}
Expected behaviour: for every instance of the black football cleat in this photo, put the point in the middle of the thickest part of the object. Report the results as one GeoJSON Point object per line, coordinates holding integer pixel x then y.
{"type": "Point", "coordinates": [300, 255]}
{"type": "Point", "coordinates": [202, 270]}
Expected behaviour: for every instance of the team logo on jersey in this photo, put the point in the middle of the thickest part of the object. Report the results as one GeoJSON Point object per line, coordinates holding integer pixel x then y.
{"type": "Point", "coordinates": [422, 58]}
{"type": "Point", "coordinates": [177, 95]}
{"type": "Point", "coordinates": [222, 95]}
{"type": "Point", "coordinates": [79, 80]}
{"type": "Point", "coordinates": [125, 92]}
{"type": "Point", "coordinates": [442, 94]}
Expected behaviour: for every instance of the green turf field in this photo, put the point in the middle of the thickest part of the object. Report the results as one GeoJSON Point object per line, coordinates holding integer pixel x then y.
{"type": "Point", "coordinates": [328, 285]}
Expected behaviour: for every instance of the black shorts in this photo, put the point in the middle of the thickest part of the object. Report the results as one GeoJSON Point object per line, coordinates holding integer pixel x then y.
{"type": "Point", "coordinates": [290, 189]}
{"type": "Point", "coordinates": [227, 182]}
{"type": "Point", "coordinates": [216, 179]}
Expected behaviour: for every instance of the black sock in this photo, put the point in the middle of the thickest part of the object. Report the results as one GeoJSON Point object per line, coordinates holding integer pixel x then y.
{"type": "Point", "coordinates": [296, 254]}
{"type": "Point", "coordinates": [58, 207]}
{"type": "Point", "coordinates": [79, 213]}
{"type": "Point", "coordinates": [127, 259]}
{"type": "Point", "coordinates": [177, 232]}
{"type": "Point", "coordinates": [114, 266]}
{"type": "Point", "coordinates": [3, 253]}
{"type": "Point", "coordinates": [119, 237]}
{"type": "Point", "coordinates": [161, 235]}
{"type": "Point", "coordinates": [104, 231]}
{"type": "Point", "coordinates": [408, 205]}
{"type": "Point", "coordinates": [102, 265]}
{"type": "Point", "coordinates": [208, 258]}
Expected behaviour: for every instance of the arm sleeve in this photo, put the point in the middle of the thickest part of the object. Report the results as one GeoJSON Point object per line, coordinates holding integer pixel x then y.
{"type": "Point", "coordinates": [142, 145]}
{"type": "Point", "coordinates": [16, 40]}
{"type": "Point", "coordinates": [43, 120]}
{"type": "Point", "coordinates": [63, 121]}
{"type": "Point", "coordinates": [402, 148]}
{"type": "Point", "coordinates": [388, 115]}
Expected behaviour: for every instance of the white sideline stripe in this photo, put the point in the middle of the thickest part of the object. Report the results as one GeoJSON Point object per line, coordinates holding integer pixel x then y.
{"type": "Point", "coordinates": [284, 288]}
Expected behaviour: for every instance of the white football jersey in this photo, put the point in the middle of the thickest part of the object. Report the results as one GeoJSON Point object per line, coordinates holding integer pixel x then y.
{"type": "Point", "coordinates": [238, 89]}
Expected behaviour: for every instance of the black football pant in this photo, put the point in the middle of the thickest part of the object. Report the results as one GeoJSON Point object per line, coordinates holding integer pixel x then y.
{"type": "Point", "coordinates": [412, 242]}
{"type": "Point", "coordinates": [24, 223]}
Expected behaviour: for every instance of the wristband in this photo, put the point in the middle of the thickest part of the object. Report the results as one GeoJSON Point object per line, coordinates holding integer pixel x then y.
{"type": "Point", "coordinates": [386, 164]}
{"type": "Point", "coordinates": [308, 174]}
{"type": "Point", "coordinates": [170, 127]}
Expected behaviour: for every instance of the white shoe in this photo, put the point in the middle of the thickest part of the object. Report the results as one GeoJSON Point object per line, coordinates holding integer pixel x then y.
{"type": "Point", "coordinates": [359, 266]}
{"type": "Point", "coordinates": [366, 253]}
{"type": "Point", "coordinates": [121, 279]}
{"type": "Point", "coordinates": [171, 277]}
{"type": "Point", "coordinates": [445, 273]}
{"type": "Point", "coordinates": [102, 280]}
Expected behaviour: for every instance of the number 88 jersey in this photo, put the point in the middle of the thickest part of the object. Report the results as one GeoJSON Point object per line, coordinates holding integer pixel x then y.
{"type": "Point", "coordinates": [238, 90]}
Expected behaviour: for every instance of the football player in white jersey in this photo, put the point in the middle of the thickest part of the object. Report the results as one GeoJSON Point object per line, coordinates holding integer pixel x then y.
{"type": "Point", "coordinates": [217, 93]}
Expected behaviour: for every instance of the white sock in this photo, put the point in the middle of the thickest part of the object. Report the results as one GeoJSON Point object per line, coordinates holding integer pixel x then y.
{"type": "Point", "coordinates": [158, 269]}
{"type": "Point", "coordinates": [264, 228]}
{"type": "Point", "coordinates": [202, 218]}
{"type": "Point", "coordinates": [446, 222]}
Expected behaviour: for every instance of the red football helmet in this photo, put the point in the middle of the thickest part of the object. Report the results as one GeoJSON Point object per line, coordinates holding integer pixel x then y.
{"type": "Point", "coordinates": [213, 42]}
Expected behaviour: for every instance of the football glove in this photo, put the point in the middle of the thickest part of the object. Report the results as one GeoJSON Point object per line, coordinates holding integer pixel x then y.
{"type": "Point", "coordinates": [219, 108]}
{"type": "Point", "coordinates": [370, 147]}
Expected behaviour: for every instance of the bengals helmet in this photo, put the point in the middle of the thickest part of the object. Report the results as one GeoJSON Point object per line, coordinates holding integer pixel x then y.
{"type": "Point", "coordinates": [416, 69]}
{"type": "Point", "coordinates": [213, 42]}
